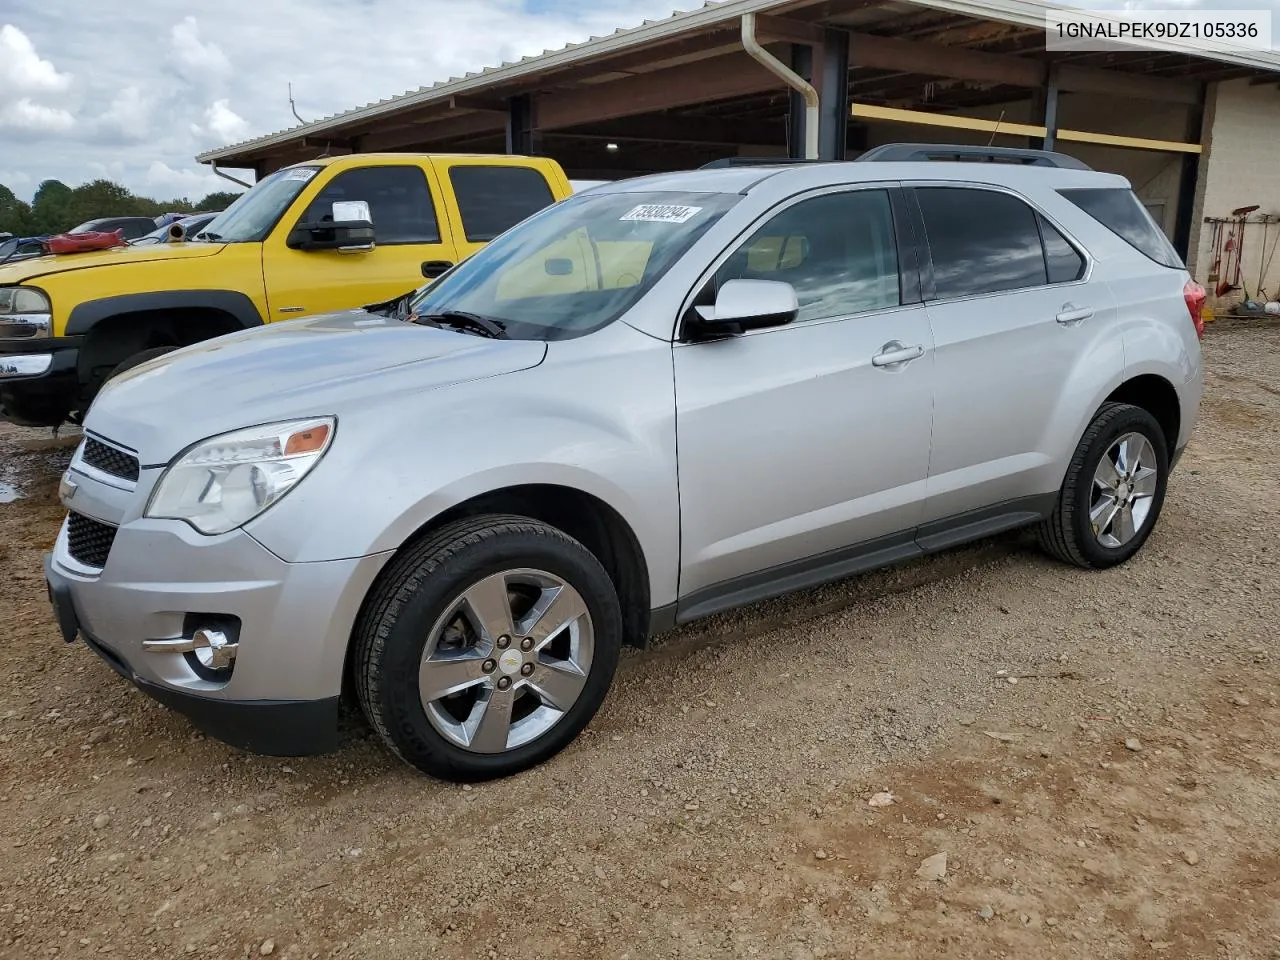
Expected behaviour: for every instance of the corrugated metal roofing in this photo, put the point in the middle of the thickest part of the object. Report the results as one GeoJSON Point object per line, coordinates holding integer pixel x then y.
{"type": "Point", "coordinates": [1022, 12]}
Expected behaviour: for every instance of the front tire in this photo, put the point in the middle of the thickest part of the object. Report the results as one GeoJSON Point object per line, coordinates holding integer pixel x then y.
{"type": "Point", "coordinates": [137, 360]}
{"type": "Point", "coordinates": [1113, 491]}
{"type": "Point", "coordinates": [487, 647]}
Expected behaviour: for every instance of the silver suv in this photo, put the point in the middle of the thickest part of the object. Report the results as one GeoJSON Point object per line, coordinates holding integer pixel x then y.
{"type": "Point", "coordinates": [654, 401]}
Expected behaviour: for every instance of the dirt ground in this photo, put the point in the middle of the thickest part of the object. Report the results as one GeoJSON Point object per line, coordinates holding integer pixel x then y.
{"type": "Point", "coordinates": [1120, 799]}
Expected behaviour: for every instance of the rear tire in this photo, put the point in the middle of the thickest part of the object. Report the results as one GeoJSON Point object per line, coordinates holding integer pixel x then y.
{"type": "Point", "coordinates": [453, 692]}
{"type": "Point", "coordinates": [1113, 491]}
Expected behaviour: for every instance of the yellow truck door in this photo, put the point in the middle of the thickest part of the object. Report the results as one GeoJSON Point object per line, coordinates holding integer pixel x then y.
{"type": "Point", "coordinates": [492, 193]}
{"type": "Point", "coordinates": [412, 239]}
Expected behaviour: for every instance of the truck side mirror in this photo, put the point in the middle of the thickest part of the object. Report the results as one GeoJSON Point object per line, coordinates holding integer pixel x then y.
{"type": "Point", "coordinates": [349, 229]}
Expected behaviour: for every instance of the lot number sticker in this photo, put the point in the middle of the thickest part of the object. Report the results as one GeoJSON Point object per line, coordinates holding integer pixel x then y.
{"type": "Point", "coordinates": [304, 174]}
{"type": "Point", "coordinates": [660, 213]}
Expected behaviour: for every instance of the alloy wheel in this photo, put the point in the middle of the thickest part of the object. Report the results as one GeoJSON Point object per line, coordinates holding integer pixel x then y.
{"type": "Point", "coordinates": [1124, 487]}
{"type": "Point", "coordinates": [506, 661]}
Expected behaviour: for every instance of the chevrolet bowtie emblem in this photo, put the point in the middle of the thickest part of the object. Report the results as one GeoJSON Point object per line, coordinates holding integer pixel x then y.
{"type": "Point", "coordinates": [67, 488]}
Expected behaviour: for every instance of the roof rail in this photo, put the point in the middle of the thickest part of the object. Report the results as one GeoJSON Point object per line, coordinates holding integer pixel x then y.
{"type": "Point", "coordinates": [905, 152]}
{"type": "Point", "coordinates": [754, 162]}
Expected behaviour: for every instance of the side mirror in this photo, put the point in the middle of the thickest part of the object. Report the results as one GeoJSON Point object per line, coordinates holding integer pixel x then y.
{"type": "Point", "coordinates": [748, 305]}
{"type": "Point", "coordinates": [558, 267]}
{"type": "Point", "coordinates": [349, 231]}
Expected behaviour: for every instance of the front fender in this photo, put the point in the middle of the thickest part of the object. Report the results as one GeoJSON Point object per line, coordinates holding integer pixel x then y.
{"type": "Point", "coordinates": [227, 278]}
{"type": "Point", "coordinates": [598, 426]}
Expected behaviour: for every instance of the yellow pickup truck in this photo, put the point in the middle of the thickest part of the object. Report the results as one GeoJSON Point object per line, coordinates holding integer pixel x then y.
{"type": "Point", "coordinates": [328, 234]}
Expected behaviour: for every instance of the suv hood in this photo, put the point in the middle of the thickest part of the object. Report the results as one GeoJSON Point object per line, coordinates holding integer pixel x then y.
{"type": "Point", "coordinates": [24, 270]}
{"type": "Point", "coordinates": [326, 364]}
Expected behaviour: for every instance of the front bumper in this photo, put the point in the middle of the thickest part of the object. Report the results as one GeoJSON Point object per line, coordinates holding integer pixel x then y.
{"type": "Point", "coordinates": [162, 580]}
{"type": "Point", "coordinates": [287, 728]}
{"type": "Point", "coordinates": [39, 384]}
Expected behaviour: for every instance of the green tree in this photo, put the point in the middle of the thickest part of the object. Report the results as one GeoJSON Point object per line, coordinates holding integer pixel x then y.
{"type": "Point", "coordinates": [51, 207]}
{"type": "Point", "coordinates": [218, 200]}
{"type": "Point", "coordinates": [56, 207]}
{"type": "Point", "coordinates": [102, 198]}
{"type": "Point", "coordinates": [15, 216]}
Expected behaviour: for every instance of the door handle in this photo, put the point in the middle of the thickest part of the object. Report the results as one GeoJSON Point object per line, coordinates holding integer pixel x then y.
{"type": "Point", "coordinates": [434, 268]}
{"type": "Point", "coordinates": [1071, 314]}
{"type": "Point", "coordinates": [894, 354]}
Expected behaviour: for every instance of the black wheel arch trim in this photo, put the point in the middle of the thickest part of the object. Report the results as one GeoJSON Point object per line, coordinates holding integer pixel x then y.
{"type": "Point", "coordinates": [84, 316]}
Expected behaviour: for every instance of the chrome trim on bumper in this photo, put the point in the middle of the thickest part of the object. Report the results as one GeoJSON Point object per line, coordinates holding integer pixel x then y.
{"type": "Point", "coordinates": [25, 365]}
{"type": "Point", "coordinates": [221, 653]}
{"type": "Point", "coordinates": [25, 326]}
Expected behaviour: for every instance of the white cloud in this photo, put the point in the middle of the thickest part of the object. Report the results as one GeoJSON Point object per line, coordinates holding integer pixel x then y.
{"type": "Point", "coordinates": [107, 171]}
{"type": "Point", "coordinates": [193, 57]}
{"type": "Point", "coordinates": [23, 114]}
{"type": "Point", "coordinates": [22, 69]}
{"type": "Point", "coordinates": [129, 113]}
{"type": "Point", "coordinates": [163, 182]}
{"type": "Point", "coordinates": [224, 123]}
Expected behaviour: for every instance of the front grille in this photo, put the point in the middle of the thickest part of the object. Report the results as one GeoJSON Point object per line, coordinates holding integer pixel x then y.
{"type": "Point", "coordinates": [110, 459]}
{"type": "Point", "coordinates": [89, 541]}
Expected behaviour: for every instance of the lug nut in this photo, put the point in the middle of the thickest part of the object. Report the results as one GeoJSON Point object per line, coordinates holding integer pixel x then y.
{"type": "Point", "coordinates": [504, 642]}
{"type": "Point", "coordinates": [526, 643]}
{"type": "Point", "coordinates": [504, 682]}
{"type": "Point", "coordinates": [526, 669]}
{"type": "Point", "coordinates": [488, 666]}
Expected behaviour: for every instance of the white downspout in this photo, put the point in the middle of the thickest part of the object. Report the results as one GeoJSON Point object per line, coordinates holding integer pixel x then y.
{"type": "Point", "coordinates": [226, 176]}
{"type": "Point", "coordinates": [790, 78]}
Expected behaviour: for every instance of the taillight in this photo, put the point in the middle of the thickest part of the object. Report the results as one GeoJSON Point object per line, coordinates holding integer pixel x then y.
{"type": "Point", "coordinates": [1194, 295]}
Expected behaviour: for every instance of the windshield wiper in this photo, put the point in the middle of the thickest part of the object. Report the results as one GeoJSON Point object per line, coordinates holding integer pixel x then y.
{"type": "Point", "coordinates": [485, 326]}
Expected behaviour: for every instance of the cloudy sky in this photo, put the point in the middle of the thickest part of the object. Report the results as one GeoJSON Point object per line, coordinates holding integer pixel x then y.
{"type": "Point", "coordinates": [133, 90]}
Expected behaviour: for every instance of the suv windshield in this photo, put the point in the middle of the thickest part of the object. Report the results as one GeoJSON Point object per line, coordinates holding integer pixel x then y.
{"type": "Point", "coordinates": [250, 218]}
{"type": "Point", "coordinates": [575, 266]}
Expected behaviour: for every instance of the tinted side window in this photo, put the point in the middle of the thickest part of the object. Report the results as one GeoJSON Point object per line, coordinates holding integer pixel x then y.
{"type": "Point", "coordinates": [1119, 211]}
{"type": "Point", "coordinates": [982, 241]}
{"type": "Point", "coordinates": [133, 229]}
{"type": "Point", "coordinates": [399, 202]}
{"type": "Point", "coordinates": [493, 199]}
{"type": "Point", "coordinates": [837, 250]}
{"type": "Point", "coordinates": [1062, 259]}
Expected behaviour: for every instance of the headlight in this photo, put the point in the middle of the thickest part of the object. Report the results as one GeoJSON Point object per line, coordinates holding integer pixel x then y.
{"type": "Point", "coordinates": [225, 481]}
{"type": "Point", "coordinates": [24, 312]}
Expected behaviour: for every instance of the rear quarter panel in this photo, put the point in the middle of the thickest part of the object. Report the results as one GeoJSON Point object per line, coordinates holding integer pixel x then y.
{"type": "Point", "coordinates": [1152, 321]}
{"type": "Point", "coordinates": [1160, 339]}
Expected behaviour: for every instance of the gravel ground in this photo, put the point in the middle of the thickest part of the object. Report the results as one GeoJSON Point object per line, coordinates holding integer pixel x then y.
{"type": "Point", "coordinates": [1097, 756]}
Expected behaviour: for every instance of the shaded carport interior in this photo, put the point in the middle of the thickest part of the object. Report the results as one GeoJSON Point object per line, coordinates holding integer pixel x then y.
{"type": "Point", "coordinates": [680, 92]}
